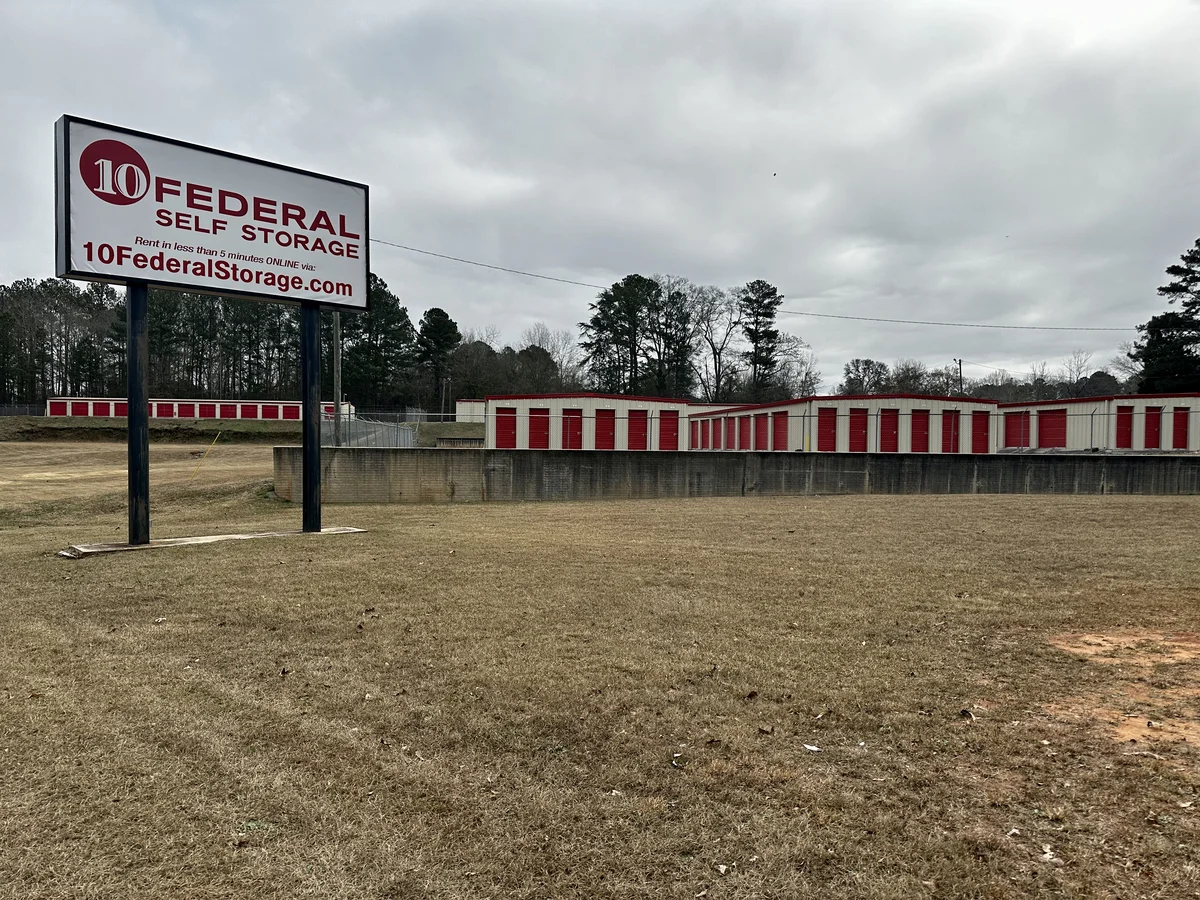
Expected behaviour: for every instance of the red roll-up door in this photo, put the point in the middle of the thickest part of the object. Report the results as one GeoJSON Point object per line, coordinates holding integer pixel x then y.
{"type": "Point", "coordinates": [1052, 428]}
{"type": "Point", "coordinates": [506, 428]}
{"type": "Point", "coordinates": [743, 432]}
{"type": "Point", "coordinates": [187, 411]}
{"type": "Point", "coordinates": [981, 431]}
{"type": "Point", "coordinates": [539, 429]}
{"type": "Point", "coordinates": [762, 431]}
{"type": "Point", "coordinates": [100, 408]}
{"type": "Point", "coordinates": [572, 426]}
{"type": "Point", "coordinates": [638, 429]}
{"type": "Point", "coordinates": [1153, 428]}
{"type": "Point", "coordinates": [121, 409]}
{"type": "Point", "coordinates": [250, 411]}
{"type": "Point", "coordinates": [920, 431]}
{"type": "Point", "coordinates": [826, 429]}
{"type": "Point", "coordinates": [606, 429]}
{"type": "Point", "coordinates": [79, 407]}
{"type": "Point", "coordinates": [1016, 429]}
{"type": "Point", "coordinates": [1179, 428]}
{"type": "Point", "coordinates": [694, 434]}
{"type": "Point", "coordinates": [779, 428]}
{"type": "Point", "coordinates": [58, 407]}
{"type": "Point", "coordinates": [704, 427]}
{"type": "Point", "coordinates": [718, 429]}
{"type": "Point", "coordinates": [668, 430]}
{"type": "Point", "coordinates": [950, 436]}
{"type": "Point", "coordinates": [269, 410]}
{"type": "Point", "coordinates": [889, 431]}
{"type": "Point", "coordinates": [858, 430]}
{"type": "Point", "coordinates": [165, 410]}
{"type": "Point", "coordinates": [228, 410]}
{"type": "Point", "coordinates": [1124, 427]}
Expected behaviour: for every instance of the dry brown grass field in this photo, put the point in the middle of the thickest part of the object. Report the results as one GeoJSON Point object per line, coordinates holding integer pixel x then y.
{"type": "Point", "coordinates": [798, 697]}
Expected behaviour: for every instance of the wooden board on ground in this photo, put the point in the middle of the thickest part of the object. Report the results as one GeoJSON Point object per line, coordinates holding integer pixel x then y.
{"type": "Point", "coordinates": [79, 551]}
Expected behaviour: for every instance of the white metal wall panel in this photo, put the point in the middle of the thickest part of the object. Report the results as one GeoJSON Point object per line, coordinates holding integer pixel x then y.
{"type": "Point", "coordinates": [557, 403]}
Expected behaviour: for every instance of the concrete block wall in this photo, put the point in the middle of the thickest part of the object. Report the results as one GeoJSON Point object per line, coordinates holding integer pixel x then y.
{"type": "Point", "coordinates": [382, 475]}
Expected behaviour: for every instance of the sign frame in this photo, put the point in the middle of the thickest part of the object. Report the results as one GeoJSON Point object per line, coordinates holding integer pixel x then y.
{"type": "Point", "coordinates": [137, 289]}
{"type": "Point", "coordinates": [62, 230]}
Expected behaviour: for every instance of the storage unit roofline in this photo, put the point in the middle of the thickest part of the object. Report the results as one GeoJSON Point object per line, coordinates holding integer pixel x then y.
{"type": "Point", "coordinates": [1103, 399]}
{"type": "Point", "coordinates": [716, 409]}
{"type": "Point", "coordinates": [677, 401]}
{"type": "Point", "coordinates": [829, 398]}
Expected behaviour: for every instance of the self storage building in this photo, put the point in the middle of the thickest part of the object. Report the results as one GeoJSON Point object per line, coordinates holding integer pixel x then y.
{"type": "Point", "coordinates": [585, 422]}
{"type": "Point", "coordinates": [118, 407]}
{"type": "Point", "coordinates": [1128, 422]}
{"type": "Point", "coordinates": [883, 423]}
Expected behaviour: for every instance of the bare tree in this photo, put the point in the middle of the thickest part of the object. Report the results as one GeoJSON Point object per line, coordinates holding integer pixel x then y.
{"type": "Point", "coordinates": [1075, 369]}
{"type": "Point", "coordinates": [719, 322]}
{"type": "Point", "coordinates": [864, 376]}
{"type": "Point", "coordinates": [536, 335]}
{"type": "Point", "coordinates": [1039, 380]}
{"type": "Point", "coordinates": [1123, 366]}
{"type": "Point", "coordinates": [908, 376]}
{"type": "Point", "coordinates": [943, 381]}
{"type": "Point", "coordinates": [488, 334]}
{"type": "Point", "coordinates": [797, 374]}
{"type": "Point", "coordinates": [563, 347]}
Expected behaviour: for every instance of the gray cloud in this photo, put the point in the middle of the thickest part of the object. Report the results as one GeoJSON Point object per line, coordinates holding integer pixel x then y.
{"type": "Point", "coordinates": [1019, 162]}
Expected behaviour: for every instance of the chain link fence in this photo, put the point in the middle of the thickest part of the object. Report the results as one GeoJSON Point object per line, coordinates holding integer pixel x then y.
{"type": "Point", "coordinates": [363, 431]}
{"type": "Point", "coordinates": [406, 414]}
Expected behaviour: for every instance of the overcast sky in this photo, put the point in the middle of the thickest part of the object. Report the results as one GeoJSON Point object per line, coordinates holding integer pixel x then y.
{"type": "Point", "coordinates": [1019, 161]}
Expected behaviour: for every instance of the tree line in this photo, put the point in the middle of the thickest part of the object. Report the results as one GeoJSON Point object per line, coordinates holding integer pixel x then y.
{"type": "Point", "coordinates": [1075, 377]}
{"type": "Point", "coordinates": [659, 335]}
{"type": "Point", "coordinates": [667, 337]}
{"type": "Point", "coordinates": [60, 339]}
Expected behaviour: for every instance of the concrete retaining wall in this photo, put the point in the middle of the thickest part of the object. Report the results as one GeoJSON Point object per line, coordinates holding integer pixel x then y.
{"type": "Point", "coordinates": [381, 475]}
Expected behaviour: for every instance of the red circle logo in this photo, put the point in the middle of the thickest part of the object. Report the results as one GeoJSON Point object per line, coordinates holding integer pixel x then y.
{"type": "Point", "coordinates": [114, 172]}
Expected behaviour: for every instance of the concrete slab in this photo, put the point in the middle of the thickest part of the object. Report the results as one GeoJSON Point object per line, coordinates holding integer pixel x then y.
{"type": "Point", "coordinates": [79, 551]}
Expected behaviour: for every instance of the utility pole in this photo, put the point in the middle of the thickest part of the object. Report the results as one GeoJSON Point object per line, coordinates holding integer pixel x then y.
{"type": "Point", "coordinates": [337, 378]}
{"type": "Point", "coordinates": [960, 378]}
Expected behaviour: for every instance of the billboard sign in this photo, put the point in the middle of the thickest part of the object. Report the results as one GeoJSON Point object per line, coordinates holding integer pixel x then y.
{"type": "Point", "coordinates": [136, 207]}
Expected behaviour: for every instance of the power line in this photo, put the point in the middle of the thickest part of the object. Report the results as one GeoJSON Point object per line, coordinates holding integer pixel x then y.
{"type": "Point", "coordinates": [994, 368]}
{"type": "Point", "coordinates": [483, 265]}
{"type": "Point", "coordinates": [793, 312]}
{"type": "Point", "coordinates": [968, 362]}
{"type": "Point", "coordinates": [790, 312]}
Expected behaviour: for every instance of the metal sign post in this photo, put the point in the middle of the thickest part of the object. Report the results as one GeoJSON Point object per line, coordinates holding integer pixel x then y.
{"type": "Point", "coordinates": [310, 387]}
{"type": "Point", "coordinates": [137, 364]}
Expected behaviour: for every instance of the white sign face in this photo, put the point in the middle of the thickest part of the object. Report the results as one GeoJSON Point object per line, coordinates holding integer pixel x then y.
{"type": "Point", "coordinates": [134, 207]}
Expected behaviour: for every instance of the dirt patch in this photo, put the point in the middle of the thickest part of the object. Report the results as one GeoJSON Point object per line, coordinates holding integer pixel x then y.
{"type": "Point", "coordinates": [1130, 727]}
{"type": "Point", "coordinates": [1134, 647]}
{"type": "Point", "coordinates": [1139, 710]}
